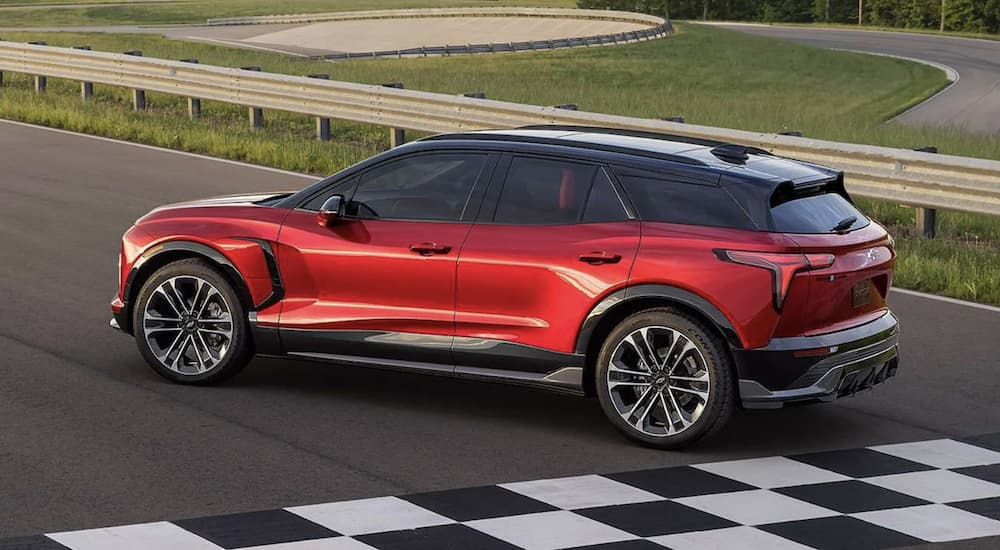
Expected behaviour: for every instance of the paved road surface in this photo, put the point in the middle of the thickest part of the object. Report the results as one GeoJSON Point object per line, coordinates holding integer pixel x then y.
{"type": "Point", "coordinates": [90, 436]}
{"type": "Point", "coordinates": [973, 102]}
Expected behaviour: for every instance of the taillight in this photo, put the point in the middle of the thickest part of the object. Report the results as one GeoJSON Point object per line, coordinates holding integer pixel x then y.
{"type": "Point", "coordinates": [783, 267]}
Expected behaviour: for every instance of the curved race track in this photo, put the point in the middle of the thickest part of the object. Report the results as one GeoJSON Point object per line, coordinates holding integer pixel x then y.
{"type": "Point", "coordinates": [90, 436]}
{"type": "Point", "coordinates": [973, 102]}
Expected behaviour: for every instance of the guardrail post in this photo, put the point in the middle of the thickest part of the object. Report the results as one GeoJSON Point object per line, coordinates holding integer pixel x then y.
{"type": "Point", "coordinates": [322, 123]}
{"type": "Point", "coordinates": [397, 136]}
{"type": "Point", "coordinates": [40, 80]}
{"type": "Point", "coordinates": [86, 88]}
{"type": "Point", "coordinates": [194, 103]}
{"type": "Point", "coordinates": [476, 95]}
{"type": "Point", "coordinates": [138, 96]}
{"type": "Point", "coordinates": [926, 217]}
{"type": "Point", "coordinates": [256, 113]}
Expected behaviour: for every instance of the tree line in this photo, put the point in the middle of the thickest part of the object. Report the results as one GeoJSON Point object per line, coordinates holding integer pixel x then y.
{"type": "Point", "coordinates": [982, 16]}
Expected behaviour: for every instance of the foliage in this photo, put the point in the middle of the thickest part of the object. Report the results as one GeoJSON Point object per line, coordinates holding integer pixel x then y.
{"type": "Point", "coordinates": [977, 16]}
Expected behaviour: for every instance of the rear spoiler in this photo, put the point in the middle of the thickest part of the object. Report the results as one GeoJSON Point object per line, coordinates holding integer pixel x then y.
{"type": "Point", "coordinates": [792, 189]}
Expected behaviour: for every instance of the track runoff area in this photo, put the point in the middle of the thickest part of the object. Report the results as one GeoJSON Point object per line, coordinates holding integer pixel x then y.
{"type": "Point", "coordinates": [878, 497]}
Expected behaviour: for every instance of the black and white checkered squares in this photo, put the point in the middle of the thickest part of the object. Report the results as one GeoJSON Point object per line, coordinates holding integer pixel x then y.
{"type": "Point", "coordinates": [879, 497]}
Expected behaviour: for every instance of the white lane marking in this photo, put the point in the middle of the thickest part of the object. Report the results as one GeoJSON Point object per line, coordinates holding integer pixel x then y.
{"type": "Point", "coordinates": [731, 538]}
{"type": "Point", "coordinates": [937, 486]}
{"type": "Point", "coordinates": [370, 515]}
{"type": "Point", "coordinates": [941, 453]}
{"type": "Point", "coordinates": [955, 301]}
{"type": "Point", "coordinates": [933, 522]}
{"type": "Point", "coordinates": [148, 536]}
{"type": "Point", "coordinates": [550, 530]}
{"type": "Point", "coordinates": [161, 149]}
{"type": "Point", "coordinates": [772, 471]}
{"type": "Point", "coordinates": [588, 491]}
{"type": "Point", "coordinates": [756, 507]}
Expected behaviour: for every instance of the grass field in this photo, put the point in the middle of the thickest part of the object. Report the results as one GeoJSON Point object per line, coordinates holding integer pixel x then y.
{"type": "Point", "coordinates": [197, 11]}
{"type": "Point", "coordinates": [935, 32]}
{"type": "Point", "coordinates": [702, 73]}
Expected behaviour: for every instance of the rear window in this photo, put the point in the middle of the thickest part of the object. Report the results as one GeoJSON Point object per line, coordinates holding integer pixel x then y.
{"type": "Point", "coordinates": [818, 213]}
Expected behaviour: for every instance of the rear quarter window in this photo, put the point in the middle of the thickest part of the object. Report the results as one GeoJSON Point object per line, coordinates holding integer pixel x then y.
{"type": "Point", "coordinates": [663, 200]}
{"type": "Point", "coordinates": [817, 213]}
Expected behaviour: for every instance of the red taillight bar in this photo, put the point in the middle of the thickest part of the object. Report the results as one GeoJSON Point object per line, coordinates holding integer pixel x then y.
{"type": "Point", "coordinates": [783, 267]}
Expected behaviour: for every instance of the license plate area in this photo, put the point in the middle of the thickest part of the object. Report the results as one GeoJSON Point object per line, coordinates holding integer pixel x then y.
{"type": "Point", "coordinates": [861, 294]}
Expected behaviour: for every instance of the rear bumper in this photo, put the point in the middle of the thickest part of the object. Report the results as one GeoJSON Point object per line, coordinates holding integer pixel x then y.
{"type": "Point", "coordinates": [859, 359]}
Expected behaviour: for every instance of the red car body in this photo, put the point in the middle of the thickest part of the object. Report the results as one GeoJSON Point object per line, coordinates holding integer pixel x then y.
{"type": "Point", "coordinates": [525, 302]}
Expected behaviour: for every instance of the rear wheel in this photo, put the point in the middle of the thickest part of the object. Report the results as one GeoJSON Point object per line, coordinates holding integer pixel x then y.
{"type": "Point", "coordinates": [664, 379]}
{"type": "Point", "coordinates": [190, 325]}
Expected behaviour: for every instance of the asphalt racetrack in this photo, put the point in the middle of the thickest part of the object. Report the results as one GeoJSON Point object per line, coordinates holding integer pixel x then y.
{"type": "Point", "coordinates": [91, 436]}
{"type": "Point", "coordinates": [973, 102]}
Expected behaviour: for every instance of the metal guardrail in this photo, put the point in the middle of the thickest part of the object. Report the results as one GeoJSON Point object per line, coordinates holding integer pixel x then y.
{"type": "Point", "coordinates": [604, 15]}
{"type": "Point", "coordinates": [898, 175]}
{"type": "Point", "coordinates": [650, 33]}
{"type": "Point", "coordinates": [656, 27]}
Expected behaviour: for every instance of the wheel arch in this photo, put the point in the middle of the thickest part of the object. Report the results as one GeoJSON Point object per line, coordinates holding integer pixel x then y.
{"type": "Point", "coordinates": [624, 302]}
{"type": "Point", "coordinates": [162, 254]}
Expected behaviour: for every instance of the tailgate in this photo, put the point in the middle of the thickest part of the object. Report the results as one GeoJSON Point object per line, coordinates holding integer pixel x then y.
{"type": "Point", "coordinates": [850, 292]}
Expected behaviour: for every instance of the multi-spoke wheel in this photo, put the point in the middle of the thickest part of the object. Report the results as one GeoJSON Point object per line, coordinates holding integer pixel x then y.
{"type": "Point", "coordinates": [190, 325]}
{"type": "Point", "coordinates": [663, 379]}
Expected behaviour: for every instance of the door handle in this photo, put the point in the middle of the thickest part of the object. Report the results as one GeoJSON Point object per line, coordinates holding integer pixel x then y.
{"type": "Point", "coordinates": [600, 257]}
{"type": "Point", "coordinates": [429, 249]}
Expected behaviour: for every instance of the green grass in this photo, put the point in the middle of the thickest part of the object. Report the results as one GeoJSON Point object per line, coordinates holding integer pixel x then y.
{"type": "Point", "coordinates": [850, 27]}
{"type": "Point", "coordinates": [197, 11]}
{"type": "Point", "coordinates": [704, 74]}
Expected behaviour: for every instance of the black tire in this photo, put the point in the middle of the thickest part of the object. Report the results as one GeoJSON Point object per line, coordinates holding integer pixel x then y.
{"type": "Point", "coordinates": [237, 353]}
{"type": "Point", "coordinates": [707, 354]}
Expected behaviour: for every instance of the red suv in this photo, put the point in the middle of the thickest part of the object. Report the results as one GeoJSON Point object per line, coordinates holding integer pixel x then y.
{"type": "Point", "coordinates": [675, 279]}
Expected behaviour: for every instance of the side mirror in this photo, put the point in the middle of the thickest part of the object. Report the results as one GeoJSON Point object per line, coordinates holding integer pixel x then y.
{"type": "Point", "coordinates": [332, 211]}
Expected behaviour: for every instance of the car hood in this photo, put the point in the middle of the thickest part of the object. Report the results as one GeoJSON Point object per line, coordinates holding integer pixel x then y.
{"type": "Point", "coordinates": [228, 200]}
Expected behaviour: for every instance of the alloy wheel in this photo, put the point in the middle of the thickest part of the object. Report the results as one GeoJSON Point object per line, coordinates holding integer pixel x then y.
{"type": "Point", "coordinates": [658, 381]}
{"type": "Point", "coordinates": [188, 325]}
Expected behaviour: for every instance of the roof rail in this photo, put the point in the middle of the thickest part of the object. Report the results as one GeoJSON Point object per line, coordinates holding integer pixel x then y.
{"type": "Point", "coordinates": [624, 132]}
{"type": "Point", "coordinates": [483, 136]}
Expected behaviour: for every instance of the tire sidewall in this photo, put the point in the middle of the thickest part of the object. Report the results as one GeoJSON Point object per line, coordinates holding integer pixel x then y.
{"type": "Point", "coordinates": [720, 398]}
{"type": "Point", "coordinates": [238, 353]}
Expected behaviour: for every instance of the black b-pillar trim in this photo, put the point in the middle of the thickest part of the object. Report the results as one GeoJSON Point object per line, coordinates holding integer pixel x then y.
{"type": "Point", "coordinates": [690, 299]}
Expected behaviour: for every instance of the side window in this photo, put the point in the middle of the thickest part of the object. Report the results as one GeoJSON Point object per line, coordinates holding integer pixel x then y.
{"type": "Point", "coordinates": [543, 192]}
{"type": "Point", "coordinates": [345, 187]}
{"type": "Point", "coordinates": [423, 187]}
{"type": "Point", "coordinates": [688, 203]}
{"type": "Point", "coordinates": [603, 204]}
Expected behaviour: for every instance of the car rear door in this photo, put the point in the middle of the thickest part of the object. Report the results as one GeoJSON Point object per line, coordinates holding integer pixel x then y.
{"type": "Point", "coordinates": [381, 282]}
{"type": "Point", "coordinates": [552, 239]}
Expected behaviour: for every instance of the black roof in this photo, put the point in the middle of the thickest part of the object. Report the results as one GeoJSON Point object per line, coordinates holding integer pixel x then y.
{"type": "Point", "coordinates": [745, 162]}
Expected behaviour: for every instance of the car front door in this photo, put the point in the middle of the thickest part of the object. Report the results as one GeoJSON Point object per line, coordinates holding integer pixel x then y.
{"type": "Point", "coordinates": [380, 283]}
{"type": "Point", "coordinates": [553, 238]}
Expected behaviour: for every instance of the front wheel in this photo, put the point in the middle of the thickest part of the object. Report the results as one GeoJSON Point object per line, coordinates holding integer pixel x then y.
{"type": "Point", "coordinates": [190, 325]}
{"type": "Point", "coordinates": [664, 379]}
